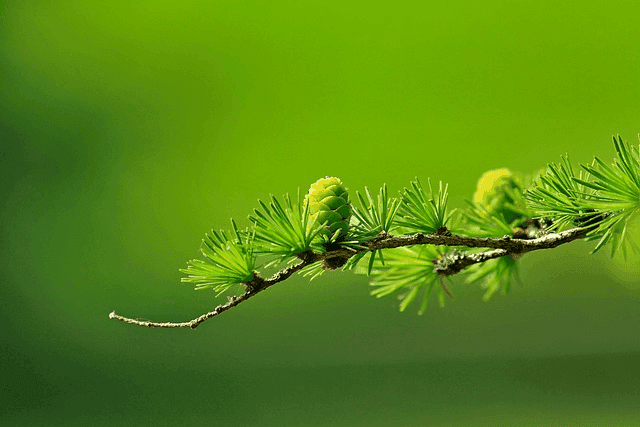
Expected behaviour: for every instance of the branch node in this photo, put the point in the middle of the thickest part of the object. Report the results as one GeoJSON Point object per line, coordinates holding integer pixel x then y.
{"type": "Point", "coordinates": [443, 231]}
{"type": "Point", "coordinates": [255, 284]}
{"type": "Point", "coordinates": [306, 255]}
{"type": "Point", "coordinates": [334, 263]}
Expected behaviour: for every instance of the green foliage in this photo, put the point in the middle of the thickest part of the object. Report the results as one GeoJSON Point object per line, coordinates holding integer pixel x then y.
{"type": "Point", "coordinates": [228, 261]}
{"type": "Point", "coordinates": [494, 275]}
{"type": "Point", "coordinates": [374, 218]}
{"type": "Point", "coordinates": [422, 212]}
{"type": "Point", "coordinates": [605, 200]}
{"type": "Point", "coordinates": [500, 193]}
{"type": "Point", "coordinates": [408, 271]}
{"type": "Point", "coordinates": [284, 229]}
{"type": "Point", "coordinates": [560, 195]}
{"type": "Point", "coordinates": [498, 206]}
{"type": "Point", "coordinates": [617, 195]}
{"type": "Point", "coordinates": [480, 222]}
{"type": "Point", "coordinates": [499, 209]}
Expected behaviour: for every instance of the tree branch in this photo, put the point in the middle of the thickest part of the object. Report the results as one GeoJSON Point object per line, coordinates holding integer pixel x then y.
{"type": "Point", "coordinates": [447, 265]}
{"type": "Point", "coordinates": [255, 286]}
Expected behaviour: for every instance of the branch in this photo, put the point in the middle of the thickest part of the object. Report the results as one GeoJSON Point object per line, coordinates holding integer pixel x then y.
{"type": "Point", "coordinates": [447, 265]}
{"type": "Point", "coordinates": [256, 285]}
{"type": "Point", "coordinates": [456, 262]}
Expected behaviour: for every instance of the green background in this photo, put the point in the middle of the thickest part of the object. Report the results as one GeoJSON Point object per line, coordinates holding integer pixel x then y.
{"type": "Point", "coordinates": [129, 129]}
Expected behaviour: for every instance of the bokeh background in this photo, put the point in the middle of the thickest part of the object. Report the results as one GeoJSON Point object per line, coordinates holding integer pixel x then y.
{"type": "Point", "coordinates": [129, 129]}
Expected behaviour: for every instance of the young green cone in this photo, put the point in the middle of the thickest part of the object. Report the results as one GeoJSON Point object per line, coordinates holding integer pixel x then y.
{"type": "Point", "coordinates": [494, 188]}
{"type": "Point", "coordinates": [329, 201]}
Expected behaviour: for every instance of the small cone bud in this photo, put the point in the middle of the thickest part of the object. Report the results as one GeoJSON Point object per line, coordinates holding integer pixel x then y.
{"type": "Point", "coordinates": [329, 201]}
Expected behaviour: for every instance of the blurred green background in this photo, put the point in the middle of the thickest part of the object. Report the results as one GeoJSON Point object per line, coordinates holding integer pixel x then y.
{"type": "Point", "coordinates": [129, 129]}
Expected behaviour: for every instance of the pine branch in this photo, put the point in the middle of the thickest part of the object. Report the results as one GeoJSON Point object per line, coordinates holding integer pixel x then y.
{"type": "Point", "coordinates": [324, 232]}
{"type": "Point", "coordinates": [256, 285]}
{"type": "Point", "coordinates": [445, 266]}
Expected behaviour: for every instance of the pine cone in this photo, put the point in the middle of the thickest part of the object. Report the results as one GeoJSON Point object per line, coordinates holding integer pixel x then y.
{"type": "Point", "coordinates": [329, 201]}
{"type": "Point", "coordinates": [492, 195]}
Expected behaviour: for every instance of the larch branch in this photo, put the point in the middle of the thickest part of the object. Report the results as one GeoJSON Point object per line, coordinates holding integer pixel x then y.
{"type": "Point", "coordinates": [447, 265]}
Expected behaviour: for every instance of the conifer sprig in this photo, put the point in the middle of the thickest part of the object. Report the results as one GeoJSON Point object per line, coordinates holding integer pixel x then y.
{"type": "Point", "coordinates": [374, 218]}
{"type": "Point", "coordinates": [562, 196]}
{"type": "Point", "coordinates": [423, 212]}
{"type": "Point", "coordinates": [407, 270]}
{"type": "Point", "coordinates": [284, 229]}
{"type": "Point", "coordinates": [498, 209]}
{"type": "Point", "coordinates": [604, 200]}
{"type": "Point", "coordinates": [481, 222]}
{"type": "Point", "coordinates": [377, 215]}
{"type": "Point", "coordinates": [229, 261]}
{"type": "Point", "coordinates": [617, 196]}
{"type": "Point", "coordinates": [494, 274]}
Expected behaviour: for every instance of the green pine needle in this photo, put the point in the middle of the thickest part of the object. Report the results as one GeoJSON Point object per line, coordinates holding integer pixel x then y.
{"type": "Point", "coordinates": [228, 261]}
{"type": "Point", "coordinates": [561, 195]}
{"type": "Point", "coordinates": [495, 274]}
{"type": "Point", "coordinates": [605, 200]}
{"type": "Point", "coordinates": [422, 212]}
{"type": "Point", "coordinates": [616, 195]}
{"type": "Point", "coordinates": [480, 222]}
{"type": "Point", "coordinates": [376, 215]}
{"type": "Point", "coordinates": [314, 270]}
{"type": "Point", "coordinates": [284, 229]}
{"type": "Point", "coordinates": [375, 218]}
{"type": "Point", "coordinates": [407, 270]}
{"type": "Point", "coordinates": [618, 185]}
